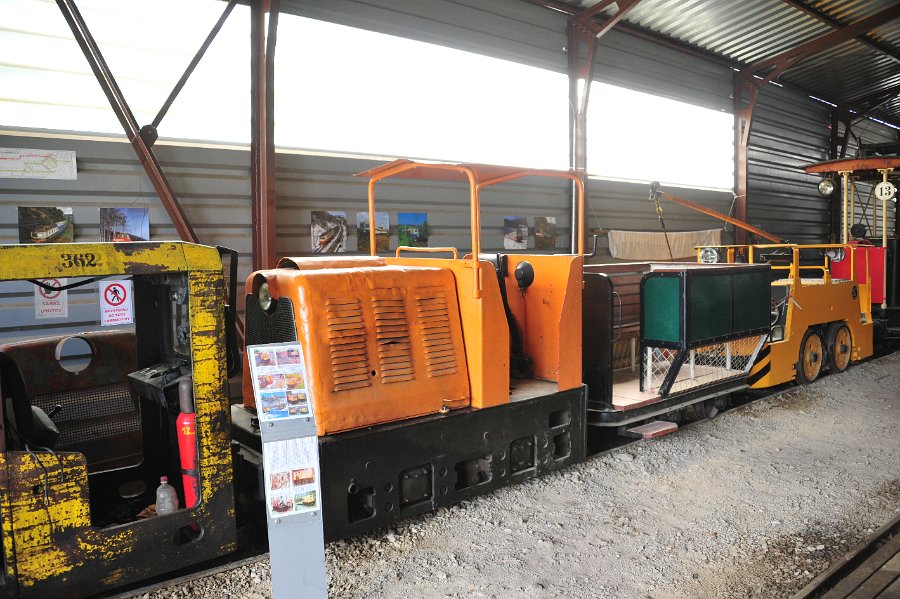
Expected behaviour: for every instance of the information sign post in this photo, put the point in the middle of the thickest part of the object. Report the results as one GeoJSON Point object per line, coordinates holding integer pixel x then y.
{"type": "Point", "coordinates": [291, 473]}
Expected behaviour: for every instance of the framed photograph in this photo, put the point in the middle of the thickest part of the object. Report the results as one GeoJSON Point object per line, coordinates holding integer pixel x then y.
{"type": "Point", "coordinates": [328, 229]}
{"type": "Point", "coordinates": [124, 224]}
{"type": "Point", "coordinates": [515, 233]}
{"type": "Point", "coordinates": [412, 229]}
{"type": "Point", "coordinates": [545, 232]}
{"type": "Point", "coordinates": [46, 225]}
{"type": "Point", "coordinates": [382, 232]}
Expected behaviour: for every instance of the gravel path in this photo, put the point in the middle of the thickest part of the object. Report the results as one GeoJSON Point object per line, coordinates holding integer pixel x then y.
{"type": "Point", "coordinates": [754, 503]}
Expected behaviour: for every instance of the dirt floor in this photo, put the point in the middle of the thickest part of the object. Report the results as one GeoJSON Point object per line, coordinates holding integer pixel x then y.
{"type": "Point", "coordinates": [751, 504]}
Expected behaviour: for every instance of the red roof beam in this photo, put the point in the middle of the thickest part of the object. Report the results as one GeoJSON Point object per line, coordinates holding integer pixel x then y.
{"type": "Point", "coordinates": [770, 68]}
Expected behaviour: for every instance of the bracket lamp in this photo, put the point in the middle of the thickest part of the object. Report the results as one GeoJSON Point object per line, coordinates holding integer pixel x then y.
{"type": "Point", "coordinates": [826, 186]}
{"type": "Point", "coordinates": [835, 254]}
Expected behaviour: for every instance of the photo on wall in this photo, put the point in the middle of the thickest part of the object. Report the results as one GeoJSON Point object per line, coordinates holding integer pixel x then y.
{"type": "Point", "coordinates": [46, 225]}
{"type": "Point", "coordinates": [515, 233]}
{"type": "Point", "coordinates": [124, 224]}
{"type": "Point", "coordinates": [545, 232]}
{"type": "Point", "coordinates": [328, 229]}
{"type": "Point", "coordinates": [382, 231]}
{"type": "Point", "coordinates": [412, 229]}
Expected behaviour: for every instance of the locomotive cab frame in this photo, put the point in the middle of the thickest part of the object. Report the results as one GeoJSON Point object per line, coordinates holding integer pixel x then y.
{"type": "Point", "coordinates": [84, 447]}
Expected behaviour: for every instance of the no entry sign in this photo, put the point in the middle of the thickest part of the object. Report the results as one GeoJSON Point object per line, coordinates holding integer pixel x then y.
{"type": "Point", "coordinates": [115, 303]}
{"type": "Point", "coordinates": [51, 303]}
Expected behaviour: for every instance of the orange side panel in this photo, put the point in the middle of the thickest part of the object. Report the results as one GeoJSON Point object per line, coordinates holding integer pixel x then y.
{"type": "Point", "coordinates": [484, 326]}
{"type": "Point", "coordinates": [549, 315]}
{"type": "Point", "coordinates": [381, 344]}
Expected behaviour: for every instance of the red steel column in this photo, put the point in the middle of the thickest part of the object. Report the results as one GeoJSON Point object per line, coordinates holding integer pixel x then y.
{"type": "Point", "coordinates": [743, 116]}
{"type": "Point", "coordinates": [262, 146]}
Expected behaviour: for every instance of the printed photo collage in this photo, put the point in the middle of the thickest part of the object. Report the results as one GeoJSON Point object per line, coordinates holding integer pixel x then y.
{"type": "Point", "coordinates": [292, 482]}
{"type": "Point", "coordinates": [279, 382]}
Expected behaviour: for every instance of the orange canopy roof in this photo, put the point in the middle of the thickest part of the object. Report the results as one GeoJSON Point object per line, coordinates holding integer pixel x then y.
{"type": "Point", "coordinates": [482, 174]}
{"type": "Point", "coordinates": [853, 164]}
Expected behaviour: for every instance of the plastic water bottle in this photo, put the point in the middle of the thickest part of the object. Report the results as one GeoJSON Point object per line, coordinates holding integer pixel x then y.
{"type": "Point", "coordinates": [166, 497]}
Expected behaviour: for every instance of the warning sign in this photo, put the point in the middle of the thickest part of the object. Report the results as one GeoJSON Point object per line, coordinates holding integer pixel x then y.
{"type": "Point", "coordinates": [52, 302]}
{"type": "Point", "coordinates": [115, 303]}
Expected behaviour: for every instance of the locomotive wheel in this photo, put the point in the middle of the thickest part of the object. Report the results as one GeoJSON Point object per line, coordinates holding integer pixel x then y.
{"type": "Point", "coordinates": [676, 416]}
{"type": "Point", "coordinates": [812, 354]}
{"type": "Point", "coordinates": [710, 408]}
{"type": "Point", "coordinates": [839, 343]}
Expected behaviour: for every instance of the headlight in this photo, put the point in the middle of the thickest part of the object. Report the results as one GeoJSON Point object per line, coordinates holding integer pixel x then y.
{"type": "Point", "coordinates": [265, 300]}
{"type": "Point", "coordinates": [826, 186]}
{"type": "Point", "coordinates": [709, 255]}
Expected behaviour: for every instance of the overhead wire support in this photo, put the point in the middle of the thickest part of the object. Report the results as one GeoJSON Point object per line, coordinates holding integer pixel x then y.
{"type": "Point", "coordinates": [190, 68]}
{"type": "Point", "coordinates": [132, 131]}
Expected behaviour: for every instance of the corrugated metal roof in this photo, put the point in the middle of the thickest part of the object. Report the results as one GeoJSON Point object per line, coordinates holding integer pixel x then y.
{"type": "Point", "coordinates": [745, 32]}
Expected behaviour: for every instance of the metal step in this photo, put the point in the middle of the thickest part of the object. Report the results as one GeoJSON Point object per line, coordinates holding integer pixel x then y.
{"type": "Point", "coordinates": [651, 430]}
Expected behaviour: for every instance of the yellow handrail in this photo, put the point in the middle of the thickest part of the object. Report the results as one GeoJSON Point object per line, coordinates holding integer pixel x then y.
{"type": "Point", "coordinates": [475, 187]}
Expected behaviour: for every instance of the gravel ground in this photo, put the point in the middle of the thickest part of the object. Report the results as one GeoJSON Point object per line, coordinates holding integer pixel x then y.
{"type": "Point", "coordinates": [754, 503]}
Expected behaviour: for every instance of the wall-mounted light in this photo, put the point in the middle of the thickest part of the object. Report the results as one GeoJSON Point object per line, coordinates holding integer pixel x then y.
{"type": "Point", "coordinates": [826, 186]}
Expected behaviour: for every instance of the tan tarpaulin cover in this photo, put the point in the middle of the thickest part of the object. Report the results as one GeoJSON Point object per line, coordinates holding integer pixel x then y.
{"type": "Point", "coordinates": [641, 245]}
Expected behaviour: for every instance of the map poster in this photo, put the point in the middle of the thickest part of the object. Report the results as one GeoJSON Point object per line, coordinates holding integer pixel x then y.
{"type": "Point", "coordinates": [19, 163]}
{"type": "Point", "coordinates": [279, 381]}
{"type": "Point", "coordinates": [46, 225]}
{"type": "Point", "coordinates": [328, 230]}
{"type": "Point", "coordinates": [545, 232]}
{"type": "Point", "coordinates": [412, 229]}
{"type": "Point", "coordinates": [382, 231]}
{"type": "Point", "coordinates": [52, 302]}
{"type": "Point", "coordinates": [515, 233]}
{"type": "Point", "coordinates": [292, 476]}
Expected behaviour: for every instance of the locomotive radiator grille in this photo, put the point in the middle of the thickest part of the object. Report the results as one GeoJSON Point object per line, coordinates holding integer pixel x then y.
{"type": "Point", "coordinates": [392, 337]}
{"type": "Point", "coordinates": [433, 317]}
{"type": "Point", "coordinates": [347, 344]}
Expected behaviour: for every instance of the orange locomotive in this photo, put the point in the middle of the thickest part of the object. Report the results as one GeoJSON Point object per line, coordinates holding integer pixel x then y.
{"type": "Point", "coordinates": [434, 379]}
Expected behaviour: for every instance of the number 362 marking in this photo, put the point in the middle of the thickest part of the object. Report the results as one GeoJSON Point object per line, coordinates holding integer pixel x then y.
{"type": "Point", "coordinates": [78, 260]}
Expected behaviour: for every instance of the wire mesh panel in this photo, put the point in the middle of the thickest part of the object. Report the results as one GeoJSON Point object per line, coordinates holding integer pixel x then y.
{"type": "Point", "coordinates": [625, 353]}
{"type": "Point", "coordinates": [698, 367]}
{"type": "Point", "coordinates": [91, 414]}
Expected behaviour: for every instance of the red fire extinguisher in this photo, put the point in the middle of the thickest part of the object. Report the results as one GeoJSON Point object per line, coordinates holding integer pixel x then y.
{"type": "Point", "coordinates": [186, 424]}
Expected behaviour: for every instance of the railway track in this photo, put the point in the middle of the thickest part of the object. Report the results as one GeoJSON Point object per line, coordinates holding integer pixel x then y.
{"type": "Point", "coordinates": [869, 570]}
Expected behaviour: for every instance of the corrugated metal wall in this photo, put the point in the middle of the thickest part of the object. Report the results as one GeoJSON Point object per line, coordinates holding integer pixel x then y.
{"type": "Point", "coordinates": [529, 34]}
{"type": "Point", "coordinates": [640, 65]}
{"type": "Point", "coordinates": [213, 187]}
{"type": "Point", "coordinates": [789, 131]}
{"type": "Point", "coordinates": [213, 184]}
{"type": "Point", "coordinates": [507, 29]}
{"type": "Point", "coordinates": [871, 132]}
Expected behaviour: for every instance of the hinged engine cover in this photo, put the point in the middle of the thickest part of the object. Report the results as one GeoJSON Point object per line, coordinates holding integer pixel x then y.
{"type": "Point", "coordinates": [381, 344]}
